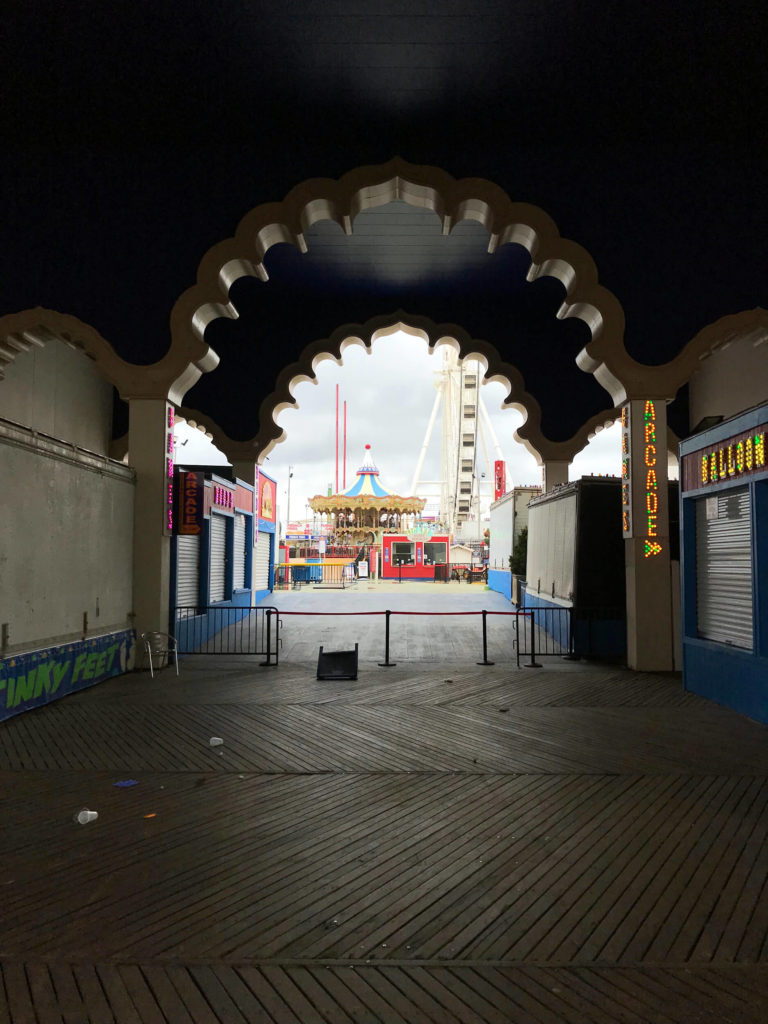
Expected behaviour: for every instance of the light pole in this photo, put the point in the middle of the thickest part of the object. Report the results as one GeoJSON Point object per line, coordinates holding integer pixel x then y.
{"type": "Point", "coordinates": [288, 509]}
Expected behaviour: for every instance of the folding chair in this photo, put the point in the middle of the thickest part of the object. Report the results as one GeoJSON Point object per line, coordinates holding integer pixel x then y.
{"type": "Point", "coordinates": [160, 645]}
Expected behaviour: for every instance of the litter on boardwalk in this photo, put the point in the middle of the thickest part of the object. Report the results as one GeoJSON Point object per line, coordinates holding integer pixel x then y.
{"type": "Point", "coordinates": [215, 741]}
{"type": "Point", "coordinates": [125, 783]}
{"type": "Point", "coordinates": [84, 816]}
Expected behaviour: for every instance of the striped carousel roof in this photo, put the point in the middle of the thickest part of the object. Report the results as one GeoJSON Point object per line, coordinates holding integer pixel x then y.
{"type": "Point", "coordinates": [366, 482]}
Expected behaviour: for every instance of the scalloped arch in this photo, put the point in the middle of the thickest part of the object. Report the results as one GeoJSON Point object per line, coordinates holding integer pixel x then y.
{"type": "Point", "coordinates": [529, 433]}
{"type": "Point", "coordinates": [171, 377]}
{"type": "Point", "coordinates": [453, 201]}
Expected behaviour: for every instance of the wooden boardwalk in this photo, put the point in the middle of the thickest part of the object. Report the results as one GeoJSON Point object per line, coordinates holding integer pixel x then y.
{"type": "Point", "coordinates": [428, 843]}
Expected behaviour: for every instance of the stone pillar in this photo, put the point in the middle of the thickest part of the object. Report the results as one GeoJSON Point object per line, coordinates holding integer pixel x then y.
{"type": "Point", "coordinates": [645, 522]}
{"type": "Point", "coordinates": [245, 470]}
{"type": "Point", "coordinates": [553, 474]}
{"type": "Point", "coordinates": [149, 426]}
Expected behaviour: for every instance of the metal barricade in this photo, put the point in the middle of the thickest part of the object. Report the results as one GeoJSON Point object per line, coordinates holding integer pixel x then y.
{"type": "Point", "coordinates": [229, 630]}
{"type": "Point", "coordinates": [543, 632]}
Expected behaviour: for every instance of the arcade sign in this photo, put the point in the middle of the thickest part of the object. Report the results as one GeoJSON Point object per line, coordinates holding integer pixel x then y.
{"type": "Point", "coordinates": [170, 417]}
{"type": "Point", "coordinates": [642, 511]}
{"type": "Point", "coordinates": [190, 504]}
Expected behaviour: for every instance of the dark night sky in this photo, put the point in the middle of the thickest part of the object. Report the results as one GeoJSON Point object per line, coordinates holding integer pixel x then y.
{"type": "Point", "coordinates": [135, 136]}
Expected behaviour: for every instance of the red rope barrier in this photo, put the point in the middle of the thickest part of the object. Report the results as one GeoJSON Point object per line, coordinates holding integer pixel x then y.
{"type": "Point", "coordinates": [394, 612]}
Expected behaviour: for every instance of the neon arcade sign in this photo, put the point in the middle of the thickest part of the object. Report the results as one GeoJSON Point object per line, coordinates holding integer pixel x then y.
{"type": "Point", "coordinates": [170, 418]}
{"type": "Point", "coordinates": [641, 512]}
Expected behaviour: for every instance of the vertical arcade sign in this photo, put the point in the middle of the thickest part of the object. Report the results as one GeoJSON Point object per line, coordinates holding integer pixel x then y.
{"type": "Point", "coordinates": [499, 479]}
{"type": "Point", "coordinates": [170, 417]}
{"type": "Point", "coordinates": [626, 473]}
{"type": "Point", "coordinates": [644, 509]}
{"type": "Point", "coordinates": [189, 515]}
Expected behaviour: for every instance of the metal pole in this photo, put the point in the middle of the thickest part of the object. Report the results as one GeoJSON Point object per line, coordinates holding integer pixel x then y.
{"type": "Point", "coordinates": [517, 637]}
{"type": "Point", "coordinates": [386, 663]}
{"type": "Point", "coordinates": [269, 662]}
{"type": "Point", "coordinates": [485, 641]}
{"type": "Point", "coordinates": [534, 663]}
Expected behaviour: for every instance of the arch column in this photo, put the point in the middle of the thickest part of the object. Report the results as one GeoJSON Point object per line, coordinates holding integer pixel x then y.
{"type": "Point", "coordinates": [554, 473]}
{"type": "Point", "coordinates": [149, 425]}
{"type": "Point", "coordinates": [245, 470]}
{"type": "Point", "coordinates": [645, 522]}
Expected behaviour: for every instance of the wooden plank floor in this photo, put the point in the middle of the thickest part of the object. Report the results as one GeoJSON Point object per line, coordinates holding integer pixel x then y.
{"type": "Point", "coordinates": [427, 843]}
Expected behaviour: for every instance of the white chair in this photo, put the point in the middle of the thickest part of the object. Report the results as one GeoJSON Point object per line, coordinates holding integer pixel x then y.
{"type": "Point", "coordinates": [161, 645]}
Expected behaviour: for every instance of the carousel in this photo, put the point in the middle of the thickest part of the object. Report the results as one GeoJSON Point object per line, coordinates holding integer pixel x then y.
{"type": "Point", "coordinates": [366, 512]}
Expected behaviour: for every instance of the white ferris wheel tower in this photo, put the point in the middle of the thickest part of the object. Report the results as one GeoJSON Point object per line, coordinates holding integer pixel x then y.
{"type": "Point", "coordinates": [466, 428]}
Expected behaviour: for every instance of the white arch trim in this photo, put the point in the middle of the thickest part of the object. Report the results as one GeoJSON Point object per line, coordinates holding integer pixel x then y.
{"type": "Point", "coordinates": [529, 432]}
{"type": "Point", "coordinates": [453, 201]}
{"type": "Point", "coordinates": [170, 378]}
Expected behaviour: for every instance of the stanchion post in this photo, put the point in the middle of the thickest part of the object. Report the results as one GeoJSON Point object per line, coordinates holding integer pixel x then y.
{"type": "Point", "coordinates": [485, 641]}
{"type": "Point", "coordinates": [269, 662]}
{"type": "Point", "coordinates": [386, 663]}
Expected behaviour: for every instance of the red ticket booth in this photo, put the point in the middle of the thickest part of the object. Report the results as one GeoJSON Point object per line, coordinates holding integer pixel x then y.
{"type": "Point", "coordinates": [408, 559]}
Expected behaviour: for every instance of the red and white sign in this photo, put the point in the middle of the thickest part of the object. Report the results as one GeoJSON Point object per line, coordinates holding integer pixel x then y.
{"type": "Point", "coordinates": [499, 479]}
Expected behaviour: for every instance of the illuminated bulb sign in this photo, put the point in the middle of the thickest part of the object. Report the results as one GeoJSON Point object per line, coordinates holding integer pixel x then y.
{"type": "Point", "coordinates": [626, 475]}
{"type": "Point", "coordinates": [650, 456]}
{"type": "Point", "coordinates": [643, 474]}
{"type": "Point", "coordinates": [742, 455]}
{"type": "Point", "coordinates": [223, 497]}
{"type": "Point", "coordinates": [170, 418]}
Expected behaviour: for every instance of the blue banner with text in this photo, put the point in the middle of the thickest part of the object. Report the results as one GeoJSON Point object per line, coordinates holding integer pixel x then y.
{"type": "Point", "coordinates": [31, 680]}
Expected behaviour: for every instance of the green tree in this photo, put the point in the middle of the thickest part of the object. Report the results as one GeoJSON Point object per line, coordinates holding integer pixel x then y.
{"type": "Point", "coordinates": [519, 556]}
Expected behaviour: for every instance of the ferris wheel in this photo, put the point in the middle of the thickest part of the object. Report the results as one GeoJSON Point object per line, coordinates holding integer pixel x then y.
{"type": "Point", "coordinates": [466, 428]}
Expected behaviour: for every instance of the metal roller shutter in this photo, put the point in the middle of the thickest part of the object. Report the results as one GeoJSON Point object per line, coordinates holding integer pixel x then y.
{"type": "Point", "coordinates": [551, 546]}
{"type": "Point", "coordinates": [724, 568]}
{"type": "Point", "coordinates": [187, 571]}
{"type": "Point", "coordinates": [261, 562]}
{"type": "Point", "coordinates": [218, 578]}
{"type": "Point", "coordinates": [238, 570]}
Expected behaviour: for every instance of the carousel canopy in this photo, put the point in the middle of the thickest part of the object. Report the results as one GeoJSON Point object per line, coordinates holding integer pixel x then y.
{"type": "Point", "coordinates": [366, 483]}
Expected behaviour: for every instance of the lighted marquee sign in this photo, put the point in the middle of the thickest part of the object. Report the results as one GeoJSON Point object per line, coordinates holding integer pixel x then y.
{"type": "Point", "coordinates": [641, 513]}
{"type": "Point", "coordinates": [191, 488]}
{"type": "Point", "coordinates": [169, 462]}
{"type": "Point", "coordinates": [222, 497]}
{"type": "Point", "coordinates": [737, 456]}
{"type": "Point", "coordinates": [626, 475]}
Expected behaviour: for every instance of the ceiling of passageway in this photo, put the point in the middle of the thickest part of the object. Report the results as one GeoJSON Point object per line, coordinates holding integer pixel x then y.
{"type": "Point", "coordinates": [135, 137]}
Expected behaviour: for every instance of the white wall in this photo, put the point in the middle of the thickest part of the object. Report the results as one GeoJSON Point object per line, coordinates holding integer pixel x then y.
{"type": "Point", "coordinates": [500, 548]}
{"type": "Point", "coordinates": [552, 545]}
{"type": "Point", "coordinates": [66, 529]}
{"type": "Point", "coordinates": [732, 379]}
{"type": "Point", "coordinates": [523, 496]}
{"type": "Point", "coordinates": [65, 546]}
{"type": "Point", "coordinates": [59, 391]}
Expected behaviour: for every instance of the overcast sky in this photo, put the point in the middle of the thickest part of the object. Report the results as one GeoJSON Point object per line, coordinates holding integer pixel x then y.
{"type": "Point", "coordinates": [389, 394]}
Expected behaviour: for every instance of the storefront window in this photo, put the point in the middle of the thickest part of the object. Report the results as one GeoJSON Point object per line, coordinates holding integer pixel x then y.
{"type": "Point", "coordinates": [435, 553]}
{"type": "Point", "coordinates": [403, 553]}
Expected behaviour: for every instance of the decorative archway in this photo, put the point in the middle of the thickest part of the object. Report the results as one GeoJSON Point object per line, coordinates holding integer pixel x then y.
{"type": "Point", "coordinates": [529, 433]}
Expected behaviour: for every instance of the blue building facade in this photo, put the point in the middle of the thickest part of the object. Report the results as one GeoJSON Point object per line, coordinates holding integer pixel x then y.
{"type": "Point", "coordinates": [222, 556]}
{"type": "Point", "coordinates": [724, 563]}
